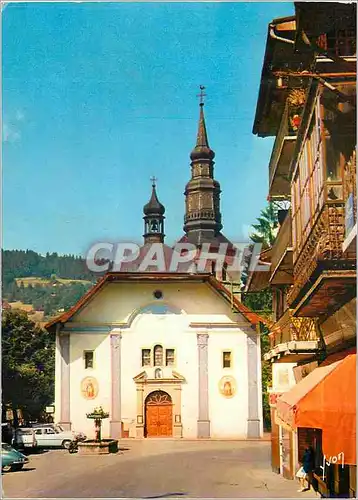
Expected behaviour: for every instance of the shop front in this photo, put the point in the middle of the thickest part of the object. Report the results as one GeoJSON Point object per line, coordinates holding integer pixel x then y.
{"type": "Point", "coordinates": [322, 408]}
{"type": "Point", "coordinates": [283, 444]}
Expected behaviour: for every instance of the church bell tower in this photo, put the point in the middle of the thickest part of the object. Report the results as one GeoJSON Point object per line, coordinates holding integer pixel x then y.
{"type": "Point", "coordinates": [153, 218]}
{"type": "Point", "coordinates": [202, 220]}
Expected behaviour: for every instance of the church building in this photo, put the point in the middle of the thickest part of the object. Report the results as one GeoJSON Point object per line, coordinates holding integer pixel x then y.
{"type": "Point", "coordinates": [167, 354]}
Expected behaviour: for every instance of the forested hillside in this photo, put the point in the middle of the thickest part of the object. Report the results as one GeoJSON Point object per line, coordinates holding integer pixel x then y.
{"type": "Point", "coordinates": [53, 290]}
{"type": "Point", "coordinates": [23, 263]}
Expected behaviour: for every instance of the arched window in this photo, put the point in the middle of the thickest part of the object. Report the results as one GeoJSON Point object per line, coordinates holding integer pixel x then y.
{"type": "Point", "coordinates": [154, 226]}
{"type": "Point", "coordinates": [158, 355]}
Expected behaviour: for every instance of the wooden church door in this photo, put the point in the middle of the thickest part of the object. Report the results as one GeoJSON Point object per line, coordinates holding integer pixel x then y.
{"type": "Point", "coordinates": [158, 415]}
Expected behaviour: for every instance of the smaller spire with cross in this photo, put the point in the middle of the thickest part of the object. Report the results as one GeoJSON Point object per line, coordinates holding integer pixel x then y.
{"type": "Point", "coordinates": [153, 217]}
{"type": "Point", "coordinates": [201, 95]}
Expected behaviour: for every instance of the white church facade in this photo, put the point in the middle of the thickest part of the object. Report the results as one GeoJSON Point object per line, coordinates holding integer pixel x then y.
{"type": "Point", "coordinates": [167, 354]}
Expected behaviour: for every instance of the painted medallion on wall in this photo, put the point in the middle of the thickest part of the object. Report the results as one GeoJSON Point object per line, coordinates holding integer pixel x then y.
{"type": "Point", "coordinates": [227, 386]}
{"type": "Point", "coordinates": [89, 388]}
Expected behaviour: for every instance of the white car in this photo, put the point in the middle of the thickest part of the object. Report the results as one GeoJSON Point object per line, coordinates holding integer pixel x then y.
{"type": "Point", "coordinates": [24, 437]}
{"type": "Point", "coordinates": [49, 436]}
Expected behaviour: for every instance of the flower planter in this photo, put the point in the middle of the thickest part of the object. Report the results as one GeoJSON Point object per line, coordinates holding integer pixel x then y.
{"type": "Point", "coordinates": [93, 447]}
{"type": "Point", "coordinates": [98, 446]}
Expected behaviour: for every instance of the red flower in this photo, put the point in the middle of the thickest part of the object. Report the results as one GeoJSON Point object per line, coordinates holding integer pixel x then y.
{"type": "Point", "coordinates": [296, 121]}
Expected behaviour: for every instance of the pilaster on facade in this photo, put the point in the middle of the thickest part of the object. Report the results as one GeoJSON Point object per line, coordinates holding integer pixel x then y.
{"type": "Point", "coordinates": [140, 412]}
{"type": "Point", "coordinates": [116, 420]}
{"type": "Point", "coordinates": [203, 396]}
{"type": "Point", "coordinates": [254, 421]}
{"type": "Point", "coordinates": [63, 345]}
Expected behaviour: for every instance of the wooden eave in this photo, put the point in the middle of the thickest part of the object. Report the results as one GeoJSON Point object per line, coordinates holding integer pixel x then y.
{"type": "Point", "coordinates": [270, 102]}
{"type": "Point", "coordinates": [327, 293]}
{"type": "Point", "coordinates": [283, 272]}
{"type": "Point", "coordinates": [293, 351]}
{"type": "Point", "coordinates": [259, 280]}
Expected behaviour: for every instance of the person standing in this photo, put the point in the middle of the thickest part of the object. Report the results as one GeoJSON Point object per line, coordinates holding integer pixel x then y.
{"type": "Point", "coordinates": [305, 473]}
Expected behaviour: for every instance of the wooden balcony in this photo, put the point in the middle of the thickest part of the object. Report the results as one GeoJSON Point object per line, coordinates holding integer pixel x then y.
{"type": "Point", "coordinates": [281, 255]}
{"type": "Point", "coordinates": [339, 43]}
{"type": "Point", "coordinates": [293, 339]}
{"type": "Point", "coordinates": [336, 40]}
{"type": "Point", "coordinates": [324, 276]}
{"type": "Point", "coordinates": [283, 148]}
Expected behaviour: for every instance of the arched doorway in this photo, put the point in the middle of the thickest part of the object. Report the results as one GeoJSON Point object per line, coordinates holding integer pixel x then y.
{"type": "Point", "coordinates": [158, 415]}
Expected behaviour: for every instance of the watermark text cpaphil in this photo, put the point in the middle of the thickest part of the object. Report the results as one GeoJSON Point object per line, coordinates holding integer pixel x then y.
{"type": "Point", "coordinates": [181, 257]}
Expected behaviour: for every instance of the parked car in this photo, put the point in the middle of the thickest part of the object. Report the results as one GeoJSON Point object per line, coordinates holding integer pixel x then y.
{"type": "Point", "coordinates": [79, 435]}
{"type": "Point", "coordinates": [50, 436]}
{"type": "Point", "coordinates": [11, 459]}
{"type": "Point", "coordinates": [24, 437]}
{"type": "Point", "coordinates": [7, 432]}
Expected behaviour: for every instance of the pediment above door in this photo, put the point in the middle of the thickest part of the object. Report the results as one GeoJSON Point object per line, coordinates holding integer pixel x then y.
{"type": "Point", "coordinates": [149, 377]}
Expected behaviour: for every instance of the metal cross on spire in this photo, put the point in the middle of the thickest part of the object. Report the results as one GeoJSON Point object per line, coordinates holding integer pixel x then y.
{"type": "Point", "coordinates": [153, 180]}
{"type": "Point", "coordinates": [201, 95]}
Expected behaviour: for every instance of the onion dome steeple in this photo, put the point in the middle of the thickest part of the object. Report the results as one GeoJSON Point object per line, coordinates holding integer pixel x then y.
{"type": "Point", "coordinates": [153, 218]}
{"type": "Point", "coordinates": [202, 221]}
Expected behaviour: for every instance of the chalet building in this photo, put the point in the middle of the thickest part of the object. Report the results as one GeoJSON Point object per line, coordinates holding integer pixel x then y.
{"type": "Point", "coordinates": [307, 101]}
{"type": "Point", "coordinates": [170, 353]}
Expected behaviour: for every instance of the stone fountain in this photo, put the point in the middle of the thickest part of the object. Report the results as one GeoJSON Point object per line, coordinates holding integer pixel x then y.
{"type": "Point", "coordinates": [98, 446]}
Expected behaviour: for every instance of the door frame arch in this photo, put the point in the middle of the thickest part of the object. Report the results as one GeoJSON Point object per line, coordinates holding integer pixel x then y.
{"type": "Point", "coordinates": [172, 386]}
{"type": "Point", "coordinates": [160, 399]}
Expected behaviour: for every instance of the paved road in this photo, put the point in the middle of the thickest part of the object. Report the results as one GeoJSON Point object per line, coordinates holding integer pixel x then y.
{"type": "Point", "coordinates": [155, 469]}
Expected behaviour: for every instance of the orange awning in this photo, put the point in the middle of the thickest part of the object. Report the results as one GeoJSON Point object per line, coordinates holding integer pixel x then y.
{"type": "Point", "coordinates": [326, 399]}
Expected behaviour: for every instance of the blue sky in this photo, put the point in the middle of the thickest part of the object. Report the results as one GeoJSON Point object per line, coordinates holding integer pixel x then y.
{"type": "Point", "coordinates": [98, 97]}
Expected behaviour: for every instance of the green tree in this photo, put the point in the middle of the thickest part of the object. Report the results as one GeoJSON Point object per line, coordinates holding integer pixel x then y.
{"type": "Point", "coordinates": [266, 228]}
{"type": "Point", "coordinates": [28, 365]}
{"type": "Point", "coordinates": [261, 302]}
{"type": "Point", "coordinates": [266, 373]}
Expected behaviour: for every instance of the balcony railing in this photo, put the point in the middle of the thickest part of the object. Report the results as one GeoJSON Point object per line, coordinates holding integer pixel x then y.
{"type": "Point", "coordinates": [324, 243]}
{"type": "Point", "coordinates": [285, 134]}
{"type": "Point", "coordinates": [322, 250]}
{"type": "Point", "coordinates": [281, 254]}
{"type": "Point", "coordinates": [289, 328]}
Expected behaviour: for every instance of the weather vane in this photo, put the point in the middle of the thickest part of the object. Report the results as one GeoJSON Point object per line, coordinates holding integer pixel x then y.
{"type": "Point", "coordinates": [153, 180]}
{"type": "Point", "coordinates": [201, 95]}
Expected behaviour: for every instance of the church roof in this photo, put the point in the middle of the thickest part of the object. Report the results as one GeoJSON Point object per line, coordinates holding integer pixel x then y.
{"type": "Point", "coordinates": [250, 316]}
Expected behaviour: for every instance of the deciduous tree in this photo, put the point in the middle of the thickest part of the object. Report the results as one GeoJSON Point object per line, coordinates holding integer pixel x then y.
{"type": "Point", "coordinates": [28, 365]}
